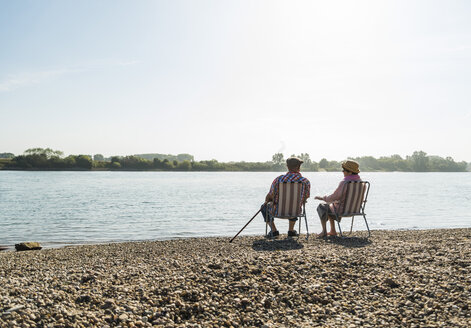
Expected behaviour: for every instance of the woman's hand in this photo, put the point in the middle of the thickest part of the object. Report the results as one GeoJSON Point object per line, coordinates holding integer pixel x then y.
{"type": "Point", "coordinates": [319, 198]}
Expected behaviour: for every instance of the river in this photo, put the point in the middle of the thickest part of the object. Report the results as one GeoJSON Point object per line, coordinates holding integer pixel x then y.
{"type": "Point", "coordinates": [61, 208]}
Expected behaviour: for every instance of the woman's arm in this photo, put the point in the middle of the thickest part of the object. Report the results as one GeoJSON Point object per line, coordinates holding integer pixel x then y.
{"type": "Point", "coordinates": [336, 195]}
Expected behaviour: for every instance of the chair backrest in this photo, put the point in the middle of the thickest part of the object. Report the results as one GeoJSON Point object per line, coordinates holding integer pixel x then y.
{"type": "Point", "coordinates": [290, 199]}
{"type": "Point", "coordinates": [356, 194]}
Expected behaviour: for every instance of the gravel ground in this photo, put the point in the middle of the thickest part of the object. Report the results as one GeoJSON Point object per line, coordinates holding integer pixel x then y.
{"type": "Point", "coordinates": [394, 279]}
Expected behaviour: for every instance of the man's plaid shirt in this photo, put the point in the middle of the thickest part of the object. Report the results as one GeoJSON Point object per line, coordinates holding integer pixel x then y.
{"type": "Point", "coordinates": [290, 177]}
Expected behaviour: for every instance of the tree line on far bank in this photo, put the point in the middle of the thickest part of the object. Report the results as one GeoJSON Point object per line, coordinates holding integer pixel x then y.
{"type": "Point", "coordinates": [48, 159]}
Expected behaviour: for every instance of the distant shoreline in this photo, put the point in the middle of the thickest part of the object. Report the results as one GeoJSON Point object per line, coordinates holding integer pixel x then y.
{"type": "Point", "coordinates": [160, 170]}
{"type": "Point", "coordinates": [39, 159]}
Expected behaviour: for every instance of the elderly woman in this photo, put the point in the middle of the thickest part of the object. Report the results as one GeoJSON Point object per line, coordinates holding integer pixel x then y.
{"type": "Point", "coordinates": [325, 211]}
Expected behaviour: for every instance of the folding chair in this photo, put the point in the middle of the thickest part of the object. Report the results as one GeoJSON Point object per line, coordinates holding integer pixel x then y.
{"type": "Point", "coordinates": [355, 197]}
{"type": "Point", "coordinates": [290, 204]}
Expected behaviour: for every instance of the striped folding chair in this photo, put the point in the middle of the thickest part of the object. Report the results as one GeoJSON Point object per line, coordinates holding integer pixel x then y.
{"type": "Point", "coordinates": [289, 205]}
{"type": "Point", "coordinates": [354, 201]}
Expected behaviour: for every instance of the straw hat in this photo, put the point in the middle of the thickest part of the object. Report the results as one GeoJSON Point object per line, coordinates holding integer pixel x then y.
{"type": "Point", "coordinates": [351, 166]}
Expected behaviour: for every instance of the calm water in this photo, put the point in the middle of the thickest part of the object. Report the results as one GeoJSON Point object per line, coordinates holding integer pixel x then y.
{"type": "Point", "coordinates": [57, 208]}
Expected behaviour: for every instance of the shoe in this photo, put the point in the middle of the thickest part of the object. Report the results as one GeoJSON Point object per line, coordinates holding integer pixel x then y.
{"type": "Point", "coordinates": [273, 234]}
{"type": "Point", "coordinates": [293, 233]}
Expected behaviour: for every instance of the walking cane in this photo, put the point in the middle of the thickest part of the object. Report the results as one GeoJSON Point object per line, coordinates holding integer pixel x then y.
{"type": "Point", "coordinates": [253, 217]}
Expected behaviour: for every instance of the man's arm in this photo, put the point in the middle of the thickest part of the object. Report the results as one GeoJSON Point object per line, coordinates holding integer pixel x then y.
{"type": "Point", "coordinates": [307, 191]}
{"type": "Point", "coordinates": [269, 198]}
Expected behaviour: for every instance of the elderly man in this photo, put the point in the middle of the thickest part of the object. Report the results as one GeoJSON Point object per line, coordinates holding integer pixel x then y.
{"type": "Point", "coordinates": [294, 166]}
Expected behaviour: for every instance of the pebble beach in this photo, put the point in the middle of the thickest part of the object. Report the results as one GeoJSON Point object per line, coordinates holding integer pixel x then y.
{"type": "Point", "coordinates": [393, 279]}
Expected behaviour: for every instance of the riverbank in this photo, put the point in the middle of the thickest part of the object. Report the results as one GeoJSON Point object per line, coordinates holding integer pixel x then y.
{"type": "Point", "coordinates": [396, 278]}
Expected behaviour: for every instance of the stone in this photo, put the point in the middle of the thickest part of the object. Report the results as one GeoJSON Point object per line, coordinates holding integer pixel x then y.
{"type": "Point", "coordinates": [15, 308]}
{"type": "Point", "coordinates": [28, 246]}
{"type": "Point", "coordinates": [83, 299]}
{"type": "Point", "coordinates": [109, 303]}
{"type": "Point", "coordinates": [123, 317]}
{"type": "Point", "coordinates": [391, 283]}
{"type": "Point", "coordinates": [86, 279]}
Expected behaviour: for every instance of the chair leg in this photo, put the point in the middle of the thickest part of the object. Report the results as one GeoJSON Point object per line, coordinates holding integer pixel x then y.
{"type": "Point", "coordinates": [351, 226]}
{"type": "Point", "coordinates": [299, 228]}
{"type": "Point", "coordinates": [366, 222]}
{"type": "Point", "coordinates": [307, 229]}
{"type": "Point", "coordinates": [340, 229]}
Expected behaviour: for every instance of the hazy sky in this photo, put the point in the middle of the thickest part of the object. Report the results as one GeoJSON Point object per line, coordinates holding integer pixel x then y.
{"type": "Point", "coordinates": [236, 80]}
